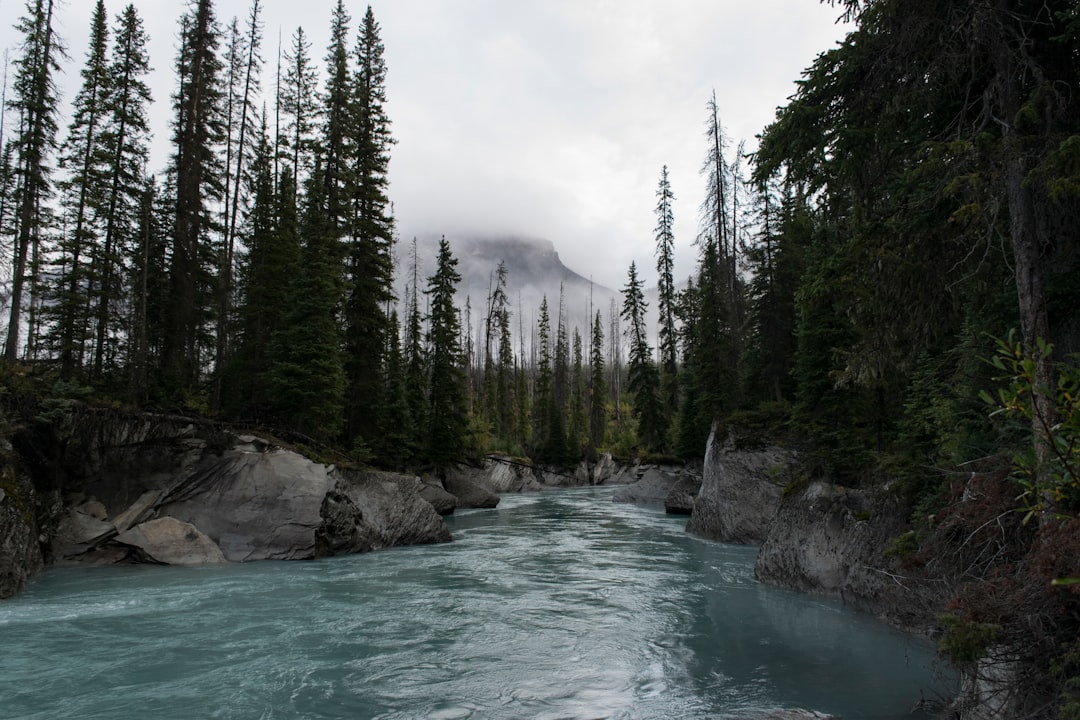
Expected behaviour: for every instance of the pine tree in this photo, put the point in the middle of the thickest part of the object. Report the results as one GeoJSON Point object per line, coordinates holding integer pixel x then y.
{"type": "Point", "coordinates": [307, 375]}
{"type": "Point", "coordinates": [597, 385]}
{"type": "Point", "coordinates": [82, 198]}
{"type": "Point", "coordinates": [369, 268]}
{"type": "Point", "coordinates": [665, 268]}
{"type": "Point", "coordinates": [198, 130]}
{"type": "Point", "coordinates": [244, 63]}
{"type": "Point", "coordinates": [643, 380]}
{"type": "Point", "coordinates": [125, 141]}
{"type": "Point", "coordinates": [271, 235]}
{"type": "Point", "coordinates": [148, 282]}
{"type": "Point", "coordinates": [416, 362]}
{"type": "Point", "coordinates": [447, 411]}
{"type": "Point", "coordinates": [35, 101]}
{"type": "Point", "coordinates": [543, 395]}
{"type": "Point", "coordinates": [298, 103]}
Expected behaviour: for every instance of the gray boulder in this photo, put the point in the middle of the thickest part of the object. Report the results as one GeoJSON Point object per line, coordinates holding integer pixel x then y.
{"type": "Point", "coordinates": [740, 492]}
{"type": "Point", "coordinates": [255, 505]}
{"type": "Point", "coordinates": [78, 532]}
{"type": "Point", "coordinates": [443, 502]}
{"type": "Point", "coordinates": [468, 493]}
{"type": "Point", "coordinates": [680, 499]}
{"type": "Point", "coordinates": [652, 487]}
{"type": "Point", "coordinates": [172, 542]}
{"type": "Point", "coordinates": [370, 510]}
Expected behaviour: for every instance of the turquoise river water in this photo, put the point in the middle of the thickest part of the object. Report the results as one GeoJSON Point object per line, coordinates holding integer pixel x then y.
{"type": "Point", "coordinates": [555, 605]}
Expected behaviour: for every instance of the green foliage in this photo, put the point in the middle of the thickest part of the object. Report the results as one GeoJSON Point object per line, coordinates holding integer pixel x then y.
{"type": "Point", "coordinates": [964, 641]}
{"type": "Point", "coordinates": [903, 545]}
{"type": "Point", "coordinates": [1052, 412]}
{"type": "Point", "coordinates": [448, 413]}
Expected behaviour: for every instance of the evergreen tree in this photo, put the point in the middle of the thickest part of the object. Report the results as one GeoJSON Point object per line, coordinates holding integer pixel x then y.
{"type": "Point", "coordinates": [369, 282]}
{"type": "Point", "coordinates": [597, 385]}
{"type": "Point", "coordinates": [665, 268]}
{"type": "Point", "coordinates": [35, 101]}
{"type": "Point", "coordinates": [307, 375]}
{"type": "Point", "coordinates": [396, 445]}
{"type": "Point", "coordinates": [416, 364]}
{"type": "Point", "coordinates": [579, 424]}
{"type": "Point", "coordinates": [125, 141]}
{"type": "Point", "coordinates": [198, 131]}
{"type": "Point", "coordinates": [244, 63]}
{"type": "Point", "coordinates": [693, 424]}
{"type": "Point", "coordinates": [273, 242]}
{"type": "Point", "coordinates": [447, 410]}
{"type": "Point", "coordinates": [543, 395]}
{"type": "Point", "coordinates": [82, 198]}
{"type": "Point", "coordinates": [643, 380]}
{"type": "Point", "coordinates": [298, 103]}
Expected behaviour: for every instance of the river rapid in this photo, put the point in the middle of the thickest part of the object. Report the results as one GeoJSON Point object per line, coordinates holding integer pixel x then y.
{"type": "Point", "coordinates": [554, 605]}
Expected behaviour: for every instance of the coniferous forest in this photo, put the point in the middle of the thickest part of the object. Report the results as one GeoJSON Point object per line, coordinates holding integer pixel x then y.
{"type": "Point", "coordinates": [890, 281]}
{"type": "Point", "coordinates": [908, 216]}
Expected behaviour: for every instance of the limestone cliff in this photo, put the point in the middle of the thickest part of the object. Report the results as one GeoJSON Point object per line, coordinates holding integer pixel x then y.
{"type": "Point", "coordinates": [740, 492]}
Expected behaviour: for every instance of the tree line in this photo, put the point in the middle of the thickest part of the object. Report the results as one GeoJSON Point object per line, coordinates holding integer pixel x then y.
{"type": "Point", "coordinates": [849, 270]}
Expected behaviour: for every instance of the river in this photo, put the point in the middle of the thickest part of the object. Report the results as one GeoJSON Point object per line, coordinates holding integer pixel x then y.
{"type": "Point", "coordinates": [554, 605]}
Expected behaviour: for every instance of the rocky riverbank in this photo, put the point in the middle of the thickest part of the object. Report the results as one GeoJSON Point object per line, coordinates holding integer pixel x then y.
{"type": "Point", "coordinates": [101, 486]}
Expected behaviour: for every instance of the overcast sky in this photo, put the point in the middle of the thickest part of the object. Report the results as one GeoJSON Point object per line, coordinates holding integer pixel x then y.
{"type": "Point", "coordinates": [539, 118]}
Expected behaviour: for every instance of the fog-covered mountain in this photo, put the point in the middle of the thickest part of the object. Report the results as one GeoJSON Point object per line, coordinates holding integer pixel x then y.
{"type": "Point", "coordinates": [534, 271]}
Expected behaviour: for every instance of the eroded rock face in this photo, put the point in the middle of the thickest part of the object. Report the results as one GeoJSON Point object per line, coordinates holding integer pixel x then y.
{"type": "Point", "coordinates": [469, 494]}
{"type": "Point", "coordinates": [145, 488]}
{"type": "Point", "coordinates": [832, 540]}
{"type": "Point", "coordinates": [20, 553]}
{"type": "Point", "coordinates": [680, 499]}
{"type": "Point", "coordinates": [371, 510]}
{"type": "Point", "coordinates": [254, 505]}
{"type": "Point", "coordinates": [652, 487]}
{"type": "Point", "coordinates": [172, 542]}
{"type": "Point", "coordinates": [740, 492]}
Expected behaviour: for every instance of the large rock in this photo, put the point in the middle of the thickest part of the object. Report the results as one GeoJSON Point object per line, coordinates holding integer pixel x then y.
{"type": "Point", "coordinates": [740, 492]}
{"type": "Point", "coordinates": [680, 499]}
{"type": "Point", "coordinates": [830, 540]}
{"type": "Point", "coordinates": [443, 502]}
{"type": "Point", "coordinates": [468, 493]}
{"type": "Point", "coordinates": [172, 542]}
{"type": "Point", "coordinates": [20, 553]}
{"type": "Point", "coordinates": [77, 533]}
{"type": "Point", "coordinates": [502, 474]}
{"type": "Point", "coordinates": [373, 510]}
{"type": "Point", "coordinates": [653, 485]}
{"type": "Point", "coordinates": [255, 505]}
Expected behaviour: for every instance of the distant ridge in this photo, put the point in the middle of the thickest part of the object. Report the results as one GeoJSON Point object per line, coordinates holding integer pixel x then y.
{"type": "Point", "coordinates": [534, 271]}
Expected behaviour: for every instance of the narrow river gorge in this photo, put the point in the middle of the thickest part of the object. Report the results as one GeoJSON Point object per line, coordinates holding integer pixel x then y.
{"type": "Point", "coordinates": [558, 604]}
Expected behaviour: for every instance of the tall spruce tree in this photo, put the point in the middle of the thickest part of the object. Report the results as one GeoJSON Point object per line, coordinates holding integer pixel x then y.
{"type": "Point", "coordinates": [597, 385]}
{"type": "Point", "coordinates": [369, 282]}
{"type": "Point", "coordinates": [245, 64]}
{"type": "Point", "coordinates": [299, 105]}
{"type": "Point", "coordinates": [125, 141]}
{"type": "Point", "coordinates": [665, 268]}
{"type": "Point", "coordinates": [642, 378]}
{"type": "Point", "coordinates": [198, 131]}
{"type": "Point", "coordinates": [82, 198]}
{"type": "Point", "coordinates": [307, 372]}
{"type": "Point", "coordinates": [35, 102]}
{"type": "Point", "coordinates": [447, 408]}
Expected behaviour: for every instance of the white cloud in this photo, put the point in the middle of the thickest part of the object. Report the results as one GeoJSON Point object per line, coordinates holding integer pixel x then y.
{"type": "Point", "coordinates": [548, 119]}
